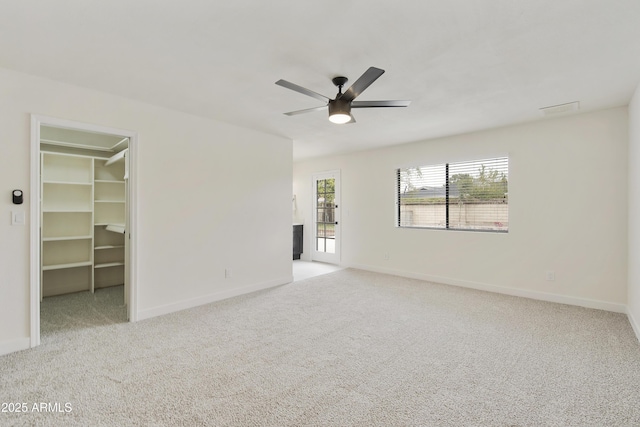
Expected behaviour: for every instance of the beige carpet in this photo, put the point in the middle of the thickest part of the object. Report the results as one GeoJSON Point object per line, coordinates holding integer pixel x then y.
{"type": "Point", "coordinates": [350, 348]}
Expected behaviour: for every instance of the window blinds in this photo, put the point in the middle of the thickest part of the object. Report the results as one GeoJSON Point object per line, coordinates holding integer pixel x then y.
{"type": "Point", "coordinates": [471, 195]}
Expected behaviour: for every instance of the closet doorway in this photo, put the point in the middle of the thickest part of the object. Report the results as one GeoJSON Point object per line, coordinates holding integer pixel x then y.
{"type": "Point", "coordinates": [82, 214]}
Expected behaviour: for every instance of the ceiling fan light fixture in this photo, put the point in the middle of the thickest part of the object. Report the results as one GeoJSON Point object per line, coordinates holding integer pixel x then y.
{"type": "Point", "coordinates": [339, 111]}
{"type": "Point", "coordinates": [340, 118]}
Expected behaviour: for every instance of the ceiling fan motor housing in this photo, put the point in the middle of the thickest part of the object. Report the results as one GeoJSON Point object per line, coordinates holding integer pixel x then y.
{"type": "Point", "coordinates": [339, 106]}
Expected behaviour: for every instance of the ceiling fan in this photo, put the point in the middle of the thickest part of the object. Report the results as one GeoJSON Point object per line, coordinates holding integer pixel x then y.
{"type": "Point", "coordinates": [340, 107]}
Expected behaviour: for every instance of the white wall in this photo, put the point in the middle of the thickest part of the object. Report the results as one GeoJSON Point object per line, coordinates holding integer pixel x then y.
{"type": "Point", "coordinates": [634, 213]}
{"type": "Point", "coordinates": [210, 196]}
{"type": "Point", "coordinates": [558, 167]}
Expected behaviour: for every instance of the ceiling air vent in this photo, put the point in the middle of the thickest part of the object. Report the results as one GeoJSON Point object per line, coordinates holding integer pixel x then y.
{"type": "Point", "coordinates": [554, 110]}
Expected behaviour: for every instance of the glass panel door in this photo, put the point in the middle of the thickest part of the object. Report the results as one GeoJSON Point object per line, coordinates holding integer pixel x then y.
{"type": "Point", "coordinates": [326, 211]}
{"type": "Point", "coordinates": [326, 223]}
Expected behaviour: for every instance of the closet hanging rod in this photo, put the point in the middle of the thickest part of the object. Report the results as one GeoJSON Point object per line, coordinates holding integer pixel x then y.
{"type": "Point", "coordinates": [116, 157]}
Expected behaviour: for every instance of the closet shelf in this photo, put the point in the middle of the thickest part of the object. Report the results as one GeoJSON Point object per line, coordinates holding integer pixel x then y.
{"type": "Point", "coordinates": [67, 210]}
{"type": "Point", "coordinates": [72, 145]}
{"type": "Point", "coordinates": [109, 247]}
{"type": "Point", "coordinates": [116, 228]}
{"type": "Point", "coordinates": [107, 181]}
{"type": "Point", "coordinates": [108, 264]}
{"type": "Point", "coordinates": [57, 239]}
{"type": "Point", "coordinates": [118, 156]}
{"type": "Point", "coordinates": [69, 265]}
{"type": "Point", "coordinates": [65, 182]}
{"type": "Point", "coordinates": [109, 201]}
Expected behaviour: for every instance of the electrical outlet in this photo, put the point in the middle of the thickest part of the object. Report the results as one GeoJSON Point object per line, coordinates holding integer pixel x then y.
{"type": "Point", "coordinates": [227, 273]}
{"type": "Point", "coordinates": [386, 257]}
{"type": "Point", "coordinates": [551, 276]}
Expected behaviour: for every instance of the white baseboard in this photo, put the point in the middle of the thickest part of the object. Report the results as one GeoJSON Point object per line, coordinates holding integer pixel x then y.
{"type": "Point", "coordinates": [207, 299]}
{"type": "Point", "coordinates": [15, 345]}
{"type": "Point", "coordinates": [634, 324]}
{"type": "Point", "coordinates": [543, 296]}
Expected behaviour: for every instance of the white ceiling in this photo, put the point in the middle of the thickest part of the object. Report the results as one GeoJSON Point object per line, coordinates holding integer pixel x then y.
{"type": "Point", "coordinates": [465, 64]}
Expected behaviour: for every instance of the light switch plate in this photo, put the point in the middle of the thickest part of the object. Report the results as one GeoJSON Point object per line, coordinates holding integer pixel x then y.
{"type": "Point", "coordinates": [17, 218]}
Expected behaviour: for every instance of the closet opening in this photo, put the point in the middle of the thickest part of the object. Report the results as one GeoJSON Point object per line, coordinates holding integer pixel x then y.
{"type": "Point", "coordinates": [81, 226]}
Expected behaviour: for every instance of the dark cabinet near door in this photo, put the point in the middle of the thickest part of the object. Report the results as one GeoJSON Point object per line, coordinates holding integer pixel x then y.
{"type": "Point", "coordinates": [297, 241]}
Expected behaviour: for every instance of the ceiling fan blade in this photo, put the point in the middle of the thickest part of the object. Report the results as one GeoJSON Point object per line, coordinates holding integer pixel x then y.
{"type": "Point", "coordinates": [353, 119]}
{"type": "Point", "coordinates": [308, 110]}
{"type": "Point", "coordinates": [365, 80]}
{"type": "Point", "coordinates": [374, 104]}
{"type": "Point", "coordinates": [302, 90]}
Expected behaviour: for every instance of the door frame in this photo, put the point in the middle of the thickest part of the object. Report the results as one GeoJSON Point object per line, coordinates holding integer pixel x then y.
{"type": "Point", "coordinates": [36, 122]}
{"type": "Point", "coordinates": [324, 256]}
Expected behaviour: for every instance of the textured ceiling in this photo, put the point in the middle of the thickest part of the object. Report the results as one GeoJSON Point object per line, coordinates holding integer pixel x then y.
{"type": "Point", "coordinates": [465, 65]}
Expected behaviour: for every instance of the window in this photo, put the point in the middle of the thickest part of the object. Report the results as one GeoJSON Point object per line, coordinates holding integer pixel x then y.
{"type": "Point", "coordinates": [469, 195]}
